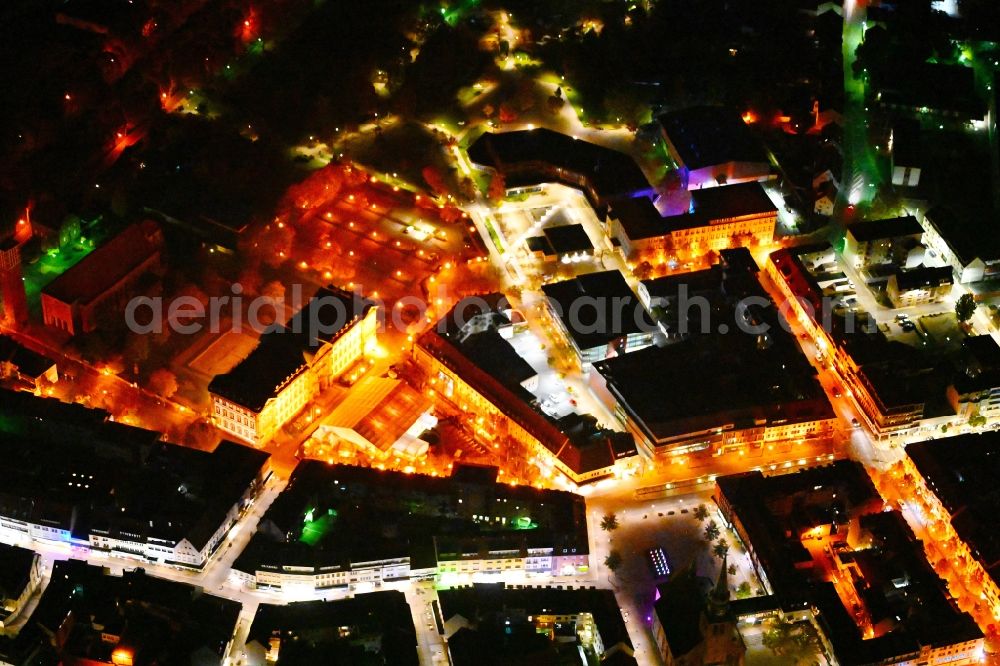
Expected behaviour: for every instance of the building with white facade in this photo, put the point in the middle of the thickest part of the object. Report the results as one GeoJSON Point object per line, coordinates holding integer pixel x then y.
{"type": "Point", "coordinates": [340, 526]}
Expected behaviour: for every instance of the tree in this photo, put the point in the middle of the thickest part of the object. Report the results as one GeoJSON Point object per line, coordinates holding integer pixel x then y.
{"type": "Point", "coordinates": [609, 522]}
{"type": "Point", "coordinates": [701, 512]}
{"type": "Point", "coordinates": [613, 561]}
{"type": "Point", "coordinates": [977, 420]}
{"type": "Point", "coordinates": [712, 531]}
{"type": "Point", "coordinates": [965, 307]}
{"type": "Point", "coordinates": [498, 187]}
{"type": "Point", "coordinates": [743, 591]}
{"type": "Point", "coordinates": [794, 641]}
{"type": "Point", "coordinates": [731, 570]}
{"type": "Point", "coordinates": [720, 549]}
{"type": "Point", "coordinates": [163, 382]}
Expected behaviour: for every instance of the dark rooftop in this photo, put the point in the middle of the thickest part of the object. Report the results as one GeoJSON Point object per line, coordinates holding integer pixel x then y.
{"type": "Point", "coordinates": [108, 264]}
{"type": "Point", "coordinates": [333, 632]}
{"type": "Point", "coordinates": [493, 607]}
{"type": "Point", "coordinates": [15, 571]}
{"type": "Point", "coordinates": [604, 305]}
{"type": "Point", "coordinates": [937, 87]}
{"type": "Point", "coordinates": [962, 472]}
{"type": "Point", "coordinates": [638, 217]}
{"type": "Point", "coordinates": [282, 353]}
{"type": "Point", "coordinates": [927, 276]}
{"type": "Point", "coordinates": [157, 620]}
{"type": "Point", "coordinates": [495, 356]}
{"type": "Point", "coordinates": [372, 514]}
{"type": "Point", "coordinates": [84, 476]}
{"type": "Point", "coordinates": [775, 511]}
{"type": "Point", "coordinates": [568, 239]}
{"type": "Point", "coordinates": [712, 379]}
{"type": "Point", "coordinates": [969, 238]}
{"type": "Point", "coordinates": [893, 227]}
{"type": "Point", "coordinates": [714, 203]}
{"type": "Point", "coordinates": [29, 363]}
{"type": "Point", "coordinates": [906, 142]}
{"type": "Point", "coordinates": [609, 172]}
{"type": "Point", "coordinates": [709, 135]}
{"type": "Point", "coordinates": [273, 364]}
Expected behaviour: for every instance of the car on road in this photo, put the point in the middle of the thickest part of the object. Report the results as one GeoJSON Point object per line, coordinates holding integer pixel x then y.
{"type": "Point", "coordinates": [836, 392]}
{"type": "Point", "coordinates": [855, 423]}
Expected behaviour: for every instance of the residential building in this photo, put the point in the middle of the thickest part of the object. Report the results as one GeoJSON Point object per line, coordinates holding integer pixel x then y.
{"type": "Point", "coordinates": [598, 315]}
{"type": "Point", "coordinates": [492, 624]}
{"type": "Point", "coordinates": [720, 218]}
{"type": "Point", "coordinates": [713, 146]}
{"type": "Point", "coordinates": [944, 92]}
{"type": "Point", "coordinates": [968, 246]}
{"type": "Point", "coordinates": [87, 616]}
{"type": "Point", "coordinates": [904, 149]}
{"type": "Point", "coordinates": [340, 526]}
{"type": "Point", "coordinates": [831, 553]}
{"type": "Point", "coordinates": [730, 377]}
{"type": "Point", "coordinates": [292, 363]}
{"type": "Point", "coordinates": [527, 158]}
{"type": "Point", "coordinates": [73, 476]}
{"type": "Point", "coordinates": [899, 388]}
{"type": "Point", "coordinates": [975, 390]}
{"type": "Point", "coordinates": [365, 627]}
{"type": "Point", "coordinates": [20, 576]}
{"type": "Point", "coordinates": [953, 480]}
{"type": "Point", "coordinates": [888, 241]}
{"type": "Point", "coordinates": [28, 368]}
{"type": "Point", "coordinates": [919, 286]}
{"type": "Point", "coordinates": [100, 284]}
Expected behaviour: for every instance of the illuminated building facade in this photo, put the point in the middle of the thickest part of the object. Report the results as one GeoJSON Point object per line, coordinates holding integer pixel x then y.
{"type": "Point", "coordinates": [950, 482]}
{"type": "Point", "coordinates": [890, 382]}
{"type": "Point", "coordinates": [495, 528]}
{"type": "Point", "coordinates": [100, 485]}
{"type": "Point", "coordinates": [500, 412]}
{"type": "Point", "coordinates": [720, 218]}
{"type": "Point", "coordinates": [829, 552]}
{"type": "Point", "coordinates": [290, 365]}
{"type": "Point", "coordinates": [715, 390]}
{"type": "Point", "coordinates": [919, 286]}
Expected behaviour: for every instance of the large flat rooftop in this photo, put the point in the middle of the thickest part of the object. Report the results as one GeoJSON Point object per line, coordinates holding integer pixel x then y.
{"type": "Point", "coordinates": [91, 474]}
{"type": "Point", "coordinates": [609, 172]}
{"type": "Point", "coordinates": [330, 516]}
{"type": "Point", "coordinates": [710, 135]}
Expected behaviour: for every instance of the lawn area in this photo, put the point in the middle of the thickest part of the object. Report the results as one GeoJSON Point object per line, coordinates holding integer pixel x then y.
{"type": "Point", "coordinates": [314, 529]}
{"type": "Point", "coordinates": [404, 149]}
{"type": "Point", "coordinates": [943, 332]}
